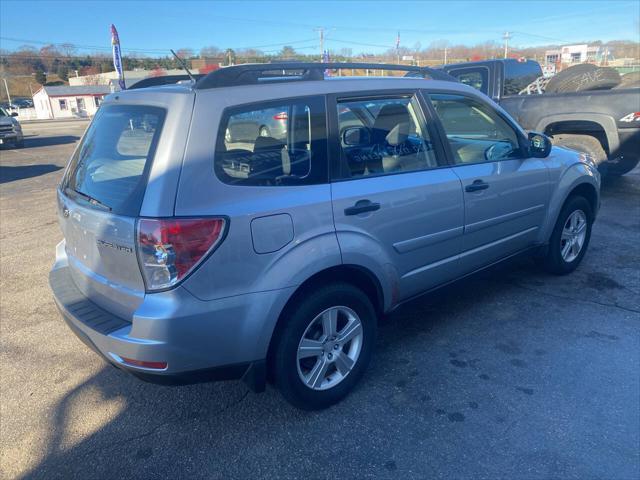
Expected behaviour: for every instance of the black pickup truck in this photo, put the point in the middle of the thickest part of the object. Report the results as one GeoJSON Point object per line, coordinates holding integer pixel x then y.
{"type": "Point", "coordinates": [602, 123]}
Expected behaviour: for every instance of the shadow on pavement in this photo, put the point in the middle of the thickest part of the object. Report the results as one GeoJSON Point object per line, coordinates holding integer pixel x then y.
{"type": "Point", "coordinates": [10, 174]}
{"type": "Point", "coordinates": [31, 142]}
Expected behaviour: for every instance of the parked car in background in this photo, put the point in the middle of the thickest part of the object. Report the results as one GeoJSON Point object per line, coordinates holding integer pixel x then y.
{"type": "Point", "coordinates": [22, 103]}
{"type": "Point", "coordinates": [586, 108]}
{"type": "Point", "coordinates": [10, 129]}
{"type": "Point", "coordinates": [187, 256]}
{"type": "Point", "coordinates": [265, 123]}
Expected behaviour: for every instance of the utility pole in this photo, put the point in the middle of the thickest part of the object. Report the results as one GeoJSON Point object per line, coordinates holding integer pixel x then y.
{"type": "Point", "coordinates": [506, 37]}
{"type": "Point", "coordinates": [7, 89]}
{"type": "Point", "coordinates": [320, 31]}
{"type": "Point", "coordinates": [445, 55]}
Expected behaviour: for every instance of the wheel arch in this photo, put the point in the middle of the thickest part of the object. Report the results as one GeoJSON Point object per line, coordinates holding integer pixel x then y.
{"type": "Point", "coordinates": [602, 127]}
{"type": "Point", "coordinates": [356, 275]}
{"type": "Point", "coordinates": [577, 180]}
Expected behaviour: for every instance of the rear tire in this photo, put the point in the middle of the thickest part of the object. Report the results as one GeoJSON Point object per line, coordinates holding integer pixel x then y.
{"type": "Point", "coordinates": [325, 354]}
{"type": "Point", "coordinates": [630, 80]}
{"type": "Point", "coordinates": [570, 238]}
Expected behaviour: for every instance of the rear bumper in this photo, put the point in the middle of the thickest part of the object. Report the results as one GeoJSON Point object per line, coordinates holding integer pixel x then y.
{"type": "Point", "coordinates": [199, 340]}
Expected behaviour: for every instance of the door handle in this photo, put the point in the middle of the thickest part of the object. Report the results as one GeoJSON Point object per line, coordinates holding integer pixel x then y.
{"type": "Point", "coordinates": [476, 185]}
{"type": "Point", "coordinates": [362, 206]}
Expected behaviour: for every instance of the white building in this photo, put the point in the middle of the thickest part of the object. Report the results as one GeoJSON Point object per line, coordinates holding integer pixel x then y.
{"type": "Point", "coordinates": [569, 54]}
{"type": "Point", "coordinates": [69, 101]}
{"type": "Point", "coordinates": [107, 78]}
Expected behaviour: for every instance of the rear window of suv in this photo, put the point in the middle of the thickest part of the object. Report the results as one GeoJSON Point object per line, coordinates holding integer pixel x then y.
{"type": "Point", "coordinates": [109, 167]}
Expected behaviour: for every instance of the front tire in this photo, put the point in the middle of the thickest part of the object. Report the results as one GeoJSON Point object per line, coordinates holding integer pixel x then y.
{"type": "Point", "coordinates": [325, 346]}
{"type": "Point", "coordinates": [570, 237]}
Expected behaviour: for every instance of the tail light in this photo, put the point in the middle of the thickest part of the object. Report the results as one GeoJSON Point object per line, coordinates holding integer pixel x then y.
{"type": "Point", "coordinates": [281, 116]}
{"type": "Point", "coordinates": [169, 249]}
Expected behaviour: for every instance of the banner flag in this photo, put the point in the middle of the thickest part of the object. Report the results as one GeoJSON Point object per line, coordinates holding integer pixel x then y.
{"type": "Point", "coordinates": [117, 57]}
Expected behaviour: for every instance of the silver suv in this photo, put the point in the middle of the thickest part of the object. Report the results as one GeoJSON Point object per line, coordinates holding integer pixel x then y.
{"type": "Point", "coordinates": [190, 255]}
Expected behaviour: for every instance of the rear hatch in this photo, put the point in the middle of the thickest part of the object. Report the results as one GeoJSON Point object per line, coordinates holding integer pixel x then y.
{"type": "Point", "coordinates": [100, 199]}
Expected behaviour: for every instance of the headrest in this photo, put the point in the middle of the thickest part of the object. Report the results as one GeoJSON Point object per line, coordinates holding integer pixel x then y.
{"type": "Point", "coordinates": [391, 116]}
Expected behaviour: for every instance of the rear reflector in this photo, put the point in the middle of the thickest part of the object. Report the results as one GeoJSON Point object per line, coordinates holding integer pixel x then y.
{"type": "Point", "coordinates": [169, 249]}
{"type": "Point", "coordinates": [143, 364]}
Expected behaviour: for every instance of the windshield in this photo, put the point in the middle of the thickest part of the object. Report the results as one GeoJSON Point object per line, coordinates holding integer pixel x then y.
{"type": "Point", "coordinates": [109, 167]}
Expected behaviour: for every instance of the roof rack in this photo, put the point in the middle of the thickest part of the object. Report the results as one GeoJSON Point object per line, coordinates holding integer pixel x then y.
{"type": "Point", "coordinates": [257, 73]}
{"type": "Point", "coordinates": [162, 80]}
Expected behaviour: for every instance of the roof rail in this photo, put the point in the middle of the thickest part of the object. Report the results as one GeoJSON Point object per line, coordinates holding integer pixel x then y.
{"type": "Point", "coordinates": [256, 73]}
{"type": "Point", "coordinates": [161, 80]}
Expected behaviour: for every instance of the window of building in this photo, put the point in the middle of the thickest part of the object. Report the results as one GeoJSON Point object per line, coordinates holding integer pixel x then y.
{"type": "Point", "coordinates": [273, 144]}
{"type": "Point", "coordinates": [476, 133]}
{"type": "Point", "coordinates": [63, 104]}
{"type": "Point", "coordinates": [80, 103]}
{"type": "Point", "coordinates": [97, 101]}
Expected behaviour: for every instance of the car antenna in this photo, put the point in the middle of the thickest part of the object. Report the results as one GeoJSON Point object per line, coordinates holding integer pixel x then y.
{"type": "Point", "coordinates": [183, 65]}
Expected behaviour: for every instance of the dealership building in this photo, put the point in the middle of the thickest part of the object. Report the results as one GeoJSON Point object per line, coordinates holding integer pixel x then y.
{"type": "Point", "coordinates": [69, 101]}
{"type": "Point", "coordinates": [569, 54]}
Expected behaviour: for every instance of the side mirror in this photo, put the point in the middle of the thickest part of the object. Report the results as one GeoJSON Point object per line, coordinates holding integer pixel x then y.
{"type": "Point", "coordinates": [539, 145]}
{"type": "Point", "coordinates": [14, 114]}
{"type": "Point", "coordinates": [356, 136]}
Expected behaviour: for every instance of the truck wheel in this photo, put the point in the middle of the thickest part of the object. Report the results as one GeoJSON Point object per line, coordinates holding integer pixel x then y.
{"type": "Point", "coordinates": [325, 347]}
{"type": "Point", "coordinates": [570, 237]}
{"type": "Point", "coordinates": [583, 80]}
{"type": "Point", "coordinates": [559, 78]}
{"type": "Point", "coordinates": [630, 80]}
{"type": "Point", "coordinates": [622, 166]}
{"type": "Point", "coordinates": [582, 143]}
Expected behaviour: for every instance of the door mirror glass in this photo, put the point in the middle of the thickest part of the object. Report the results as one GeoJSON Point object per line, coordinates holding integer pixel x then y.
{"type": "Point", "coordinates": [539, 145]}
{"type": "Point", "coordinates": [356, 136]}
{"type": "Point", "coordinates": [14, 114]}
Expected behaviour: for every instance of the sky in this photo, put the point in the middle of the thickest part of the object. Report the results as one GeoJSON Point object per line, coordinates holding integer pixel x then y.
{"type": "Point", "coordinates": [152, 28]}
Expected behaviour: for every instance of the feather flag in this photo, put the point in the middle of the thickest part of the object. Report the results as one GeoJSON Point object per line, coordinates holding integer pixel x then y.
{"type": "Point", "coordinates": [117, 57]}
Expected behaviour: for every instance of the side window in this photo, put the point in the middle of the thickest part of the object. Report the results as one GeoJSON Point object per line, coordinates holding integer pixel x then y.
{"type": "Point", "coordinates": [477, 78]}
{"type": "Point", "coordinates": [273, 144]}
{"type": "Point", "coordinates": [382, 136]}
{"type": "Point", "coordinates": [475, 131]}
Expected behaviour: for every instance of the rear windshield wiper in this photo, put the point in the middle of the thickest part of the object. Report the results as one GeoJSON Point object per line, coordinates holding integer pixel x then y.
{"type": "Point", "coordinates": [93, 201]}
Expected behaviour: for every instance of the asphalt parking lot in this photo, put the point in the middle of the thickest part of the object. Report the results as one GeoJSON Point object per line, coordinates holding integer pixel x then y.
{"type": "Point", "coordinates": [510, 374]}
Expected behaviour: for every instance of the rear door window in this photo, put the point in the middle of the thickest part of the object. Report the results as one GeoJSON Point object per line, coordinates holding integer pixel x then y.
{"type": "Point", "coordinates": [273, 144]}
{"type": "Point", "coordinates": [389, 137]}
{"type": "Point", "coordinates": [109, 167]}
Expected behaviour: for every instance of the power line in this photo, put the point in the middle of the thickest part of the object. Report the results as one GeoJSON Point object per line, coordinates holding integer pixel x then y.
{"type": "Point", "coordinates": [142, 50]}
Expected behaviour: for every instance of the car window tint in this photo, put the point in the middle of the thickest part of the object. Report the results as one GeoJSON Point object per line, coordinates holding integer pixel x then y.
{"type": "Point", "coordinates": [273, 144]}
{"type": "Point", "coordinates": [391, 140]}
{"type": "Point", "coordinates": [475, 131]}
{"type": "Point", "coordinates": [519, 74]}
